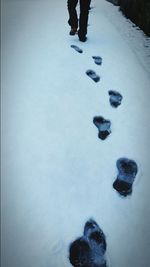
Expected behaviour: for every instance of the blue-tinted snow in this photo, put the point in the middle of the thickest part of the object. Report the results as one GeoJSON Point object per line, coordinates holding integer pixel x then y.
{"type": "Point", "coordinates": [55, 171]}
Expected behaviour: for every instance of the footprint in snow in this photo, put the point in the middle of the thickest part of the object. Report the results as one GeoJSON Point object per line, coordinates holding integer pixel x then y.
{"type": "Point", "coordinates": [103, 127]}
{"type": "Point", "coordinates": [97, 60]}
{"type": "Point", "coordinates": [127, 170]}
{"type": "Point", "coordinates": [89, 250]}
{"type": "Point", "coordinates": [93, 75]}
{"type": "Point", "coordinates": [76, 48]}
{"type": "Point", "coordinates": [115, 98]}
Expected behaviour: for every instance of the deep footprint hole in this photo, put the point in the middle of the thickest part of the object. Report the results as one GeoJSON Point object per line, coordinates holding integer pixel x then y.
{"type": "Point", "coordinates": [115, 98]}
{"type": "Point", "coordinates": [92, 74]}
{"type": "Point", "coordinates": [103, 125]}
{"type": "Point", "coordinates": [127, 171]}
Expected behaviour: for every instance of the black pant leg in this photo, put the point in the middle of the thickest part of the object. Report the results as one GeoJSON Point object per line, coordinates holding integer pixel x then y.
{"type": "Point", "coordinates": [73, 18]}
{"type": "Point", "coordinates": [84, 12]}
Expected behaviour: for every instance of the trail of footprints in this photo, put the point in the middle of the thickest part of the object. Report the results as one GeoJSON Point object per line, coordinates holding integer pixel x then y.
{"type": "Point", "coordinates": [89, 250]}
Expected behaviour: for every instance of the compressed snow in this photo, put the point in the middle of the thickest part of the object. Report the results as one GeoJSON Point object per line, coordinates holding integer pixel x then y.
{"type": "Point", "coordinates": [56, 172]}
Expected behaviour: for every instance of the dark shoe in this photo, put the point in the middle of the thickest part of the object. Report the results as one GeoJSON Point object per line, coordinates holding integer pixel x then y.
{"type": "Point", "coordinates": [73, 31]}
{"type": "Point", "coordinates": [82, 38]}
{"type": "Point", "coordinates": [82, 35]}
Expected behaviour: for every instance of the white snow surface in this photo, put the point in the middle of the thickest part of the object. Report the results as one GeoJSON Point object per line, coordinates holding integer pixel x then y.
{"type": "Point", "coordinates": [56, 172]}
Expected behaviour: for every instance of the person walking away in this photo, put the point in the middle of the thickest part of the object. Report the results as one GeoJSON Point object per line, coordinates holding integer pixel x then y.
{"type": "Point", "coordinates": [83, 18]}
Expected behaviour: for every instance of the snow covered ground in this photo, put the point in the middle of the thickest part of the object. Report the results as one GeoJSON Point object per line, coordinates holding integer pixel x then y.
{"type": "Point", "coordinates": [56, 173]}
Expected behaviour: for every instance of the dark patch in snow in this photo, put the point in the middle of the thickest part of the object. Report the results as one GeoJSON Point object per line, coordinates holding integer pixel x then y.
{"type": "Point", "coordinates": [97, 60]}
{"type": "Point", "coordinates": [127, 172]}
{"type": "Point", "coordinates": [89, 250]}
{"type": "Point", "coordinates": [103, 127]}
{"type": "Point", "coordinates": [93, 75]}
{"type": "Point", "coordinates": [75, 47]}
{"type": "Point", "coordinates": [115, 98]}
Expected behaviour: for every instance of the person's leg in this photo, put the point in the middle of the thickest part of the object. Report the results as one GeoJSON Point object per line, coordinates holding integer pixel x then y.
{"type": "Point", "coordinates": [84, 11]}
{"type": "Point", "coordinates": [73, 19]}
{"type": "Point", "coordinates": [90, 5]}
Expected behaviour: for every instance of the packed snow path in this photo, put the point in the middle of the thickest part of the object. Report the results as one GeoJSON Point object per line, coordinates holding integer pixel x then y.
{"type": "Point", "coordinates": [56, 173]}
